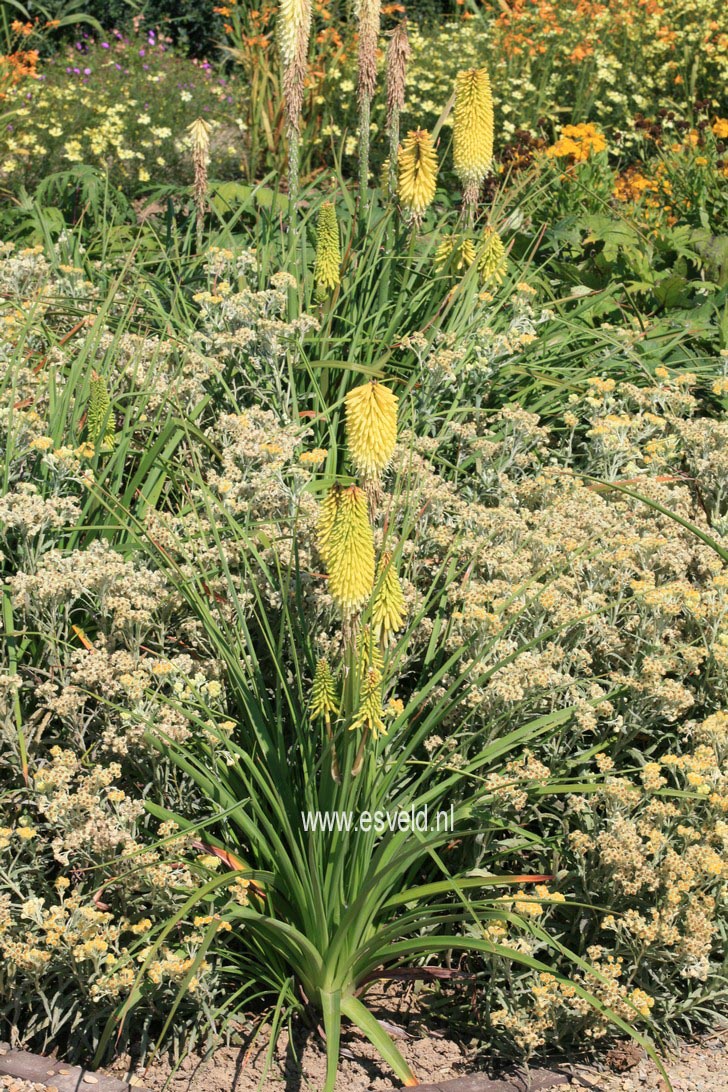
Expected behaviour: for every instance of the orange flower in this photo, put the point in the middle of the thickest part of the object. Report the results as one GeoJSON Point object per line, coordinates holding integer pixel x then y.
{"type": "Point", "coordinates": [578, 143]}
{"type": "Point", "coordinates": [581, 51]}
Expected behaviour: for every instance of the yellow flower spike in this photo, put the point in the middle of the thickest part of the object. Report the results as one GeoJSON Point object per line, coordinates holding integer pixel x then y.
{"type": "Point", "coordinates": [349, 551]}
{"type": "Point", "coordinates": [492, 259]}
{"type": "Point", "coordinates": [293, 18]}
{"type": "Point", "coordinates": [417, 170]}
{"type": "Point", "coordinates": [199, 132]}
{"type": "Point", "coordinates": [370, 716]}
{"type": "Point", "coordinates": [324, 702]}
{"type": "Point", "coordinates": [472, 131]}
{"type": "Point", "coordinates": [368, 652]}
{"type": "Point", "coordinates": [459, 254]}
{"type": "Point", "coordinates": [327, 515]}
{"type": "Point", "coordinates": [328, 255]}
{"type": "Point", "coordinates": [371, 427]}
{"type": "Point", "coordinates": [98, 414]}
{"type": "Point", "coordinates": [388, 608]}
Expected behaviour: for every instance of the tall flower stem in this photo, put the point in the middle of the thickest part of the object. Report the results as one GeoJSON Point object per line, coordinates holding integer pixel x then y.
{"type": "Point", "coordinates": [364, 122]}
{"type": "Point", "coordinates": [359, 758]}
{"type": "Point", "coordinates": [293, 158]}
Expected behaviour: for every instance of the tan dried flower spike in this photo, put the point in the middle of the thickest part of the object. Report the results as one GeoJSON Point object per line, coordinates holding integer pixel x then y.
{"type": "Point", "coordinates": [294, 30]}
{"type": "Point", "coordinates": [398, 53]}
{"type": "Point", "coordinates": [199, 132]}
{"type": "Point", "coordinates": [368, 13]}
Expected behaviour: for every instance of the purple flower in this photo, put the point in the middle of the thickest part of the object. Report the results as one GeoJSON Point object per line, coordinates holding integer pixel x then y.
{"type": "Point", "coordinates": [87, 71]}
{"type": "Point", "coordinates": [105, 45]}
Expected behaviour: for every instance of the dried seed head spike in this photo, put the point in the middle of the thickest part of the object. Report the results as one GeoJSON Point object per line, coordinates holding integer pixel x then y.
{"type": "Point", "coordinates": [368, 12]}
{"type": "Point", "coordinates": [294, 31]}
{"type": "Point", "coordinates": [199, 132]}
{"type": "Point", "coordinates": [398, 53]}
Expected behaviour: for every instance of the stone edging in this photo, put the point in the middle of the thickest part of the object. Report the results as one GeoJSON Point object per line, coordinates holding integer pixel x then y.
{"type": "Point", "coordinates": [537, 1081]}
{"type": "Point", "coordinates": [62, 1077]}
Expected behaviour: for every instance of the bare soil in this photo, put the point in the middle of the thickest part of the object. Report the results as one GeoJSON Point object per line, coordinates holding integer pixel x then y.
{"type": "Point", "coordinates": [699, 1066]}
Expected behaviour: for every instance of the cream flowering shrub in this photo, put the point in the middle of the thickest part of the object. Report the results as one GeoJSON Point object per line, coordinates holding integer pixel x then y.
{"type": "Point", "coordinates": [244, 328]}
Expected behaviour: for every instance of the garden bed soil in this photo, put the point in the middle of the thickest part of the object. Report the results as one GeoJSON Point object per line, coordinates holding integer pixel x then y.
{"type": "Point", "coordinates": [699, 1066]}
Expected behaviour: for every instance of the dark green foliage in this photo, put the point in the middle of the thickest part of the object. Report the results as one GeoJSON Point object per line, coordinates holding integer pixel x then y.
{"type": "Point", "coordinates": [194, 27]}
